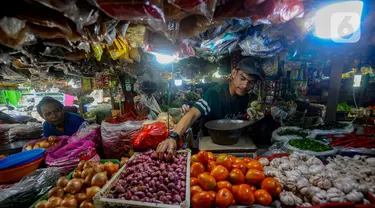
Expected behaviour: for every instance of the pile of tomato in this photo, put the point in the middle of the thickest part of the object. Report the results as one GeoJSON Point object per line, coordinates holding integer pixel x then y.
{"type": "Point", "coordinates": [227, 181]}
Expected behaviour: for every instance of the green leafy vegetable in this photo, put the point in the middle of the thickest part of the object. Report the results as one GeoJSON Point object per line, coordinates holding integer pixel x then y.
{"type": "Point", "coordinates": [293, 132]}
{"type": "Point", "coordinates": [308, 144]}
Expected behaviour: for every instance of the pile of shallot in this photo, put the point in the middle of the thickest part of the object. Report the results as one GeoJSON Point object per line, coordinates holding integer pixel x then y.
{"type": "Point", "coordinates": [306, 181]}
{"type": "Point", "coordinates": [148, 179]}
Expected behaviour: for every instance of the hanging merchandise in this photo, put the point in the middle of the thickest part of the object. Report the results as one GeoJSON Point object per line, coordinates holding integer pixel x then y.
{"type": "Point", "coordinates": [261, 11]}
{"type": "Point", "coordinates": [270, 67]}
{"type": "Point", "coordinates": [144, 11]}
{"type": "Point", "coordinates": [262, 44]}
{"type": "Point", "coordinates": [119, 48]}
{"type": "Point", "coordinates": [97, 49]}
{"type": "Point", "coordinates": [101, 82]}
{"type": "Point", "coordinates": [86, 84]}
{"type": "Point", "coordinates": [135, 34]}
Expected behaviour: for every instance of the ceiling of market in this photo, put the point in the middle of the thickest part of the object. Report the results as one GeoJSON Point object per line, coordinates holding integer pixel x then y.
{"type": "Point", "coordinates": [51, 39]}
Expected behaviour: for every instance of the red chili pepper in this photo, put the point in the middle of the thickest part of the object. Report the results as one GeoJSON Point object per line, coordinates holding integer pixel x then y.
{"type": "Point", "coordinates": [364, 142]}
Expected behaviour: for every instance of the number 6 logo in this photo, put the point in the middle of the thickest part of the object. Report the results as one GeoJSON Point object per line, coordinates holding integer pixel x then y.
{"type": "Point", "coordinates": [345, 27]}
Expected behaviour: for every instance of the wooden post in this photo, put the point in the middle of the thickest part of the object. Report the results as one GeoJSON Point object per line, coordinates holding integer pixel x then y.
{"type": "Point", "coordinates": [337, 67]}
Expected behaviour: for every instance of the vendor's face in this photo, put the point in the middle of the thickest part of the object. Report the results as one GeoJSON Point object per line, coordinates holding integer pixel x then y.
{"type": "Point", "coordinates": [242, 82]}
{"type": "Point", "coordinates": [52, 113]}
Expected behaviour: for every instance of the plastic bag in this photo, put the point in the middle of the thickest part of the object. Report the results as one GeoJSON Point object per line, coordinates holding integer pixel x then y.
{"type": "Point", "coordinates": [80, 12]}
{"type": "Point", "coordinates": [201, 7]}
{"type": "Point", "coordinates": [116, 138]}
{"type": "Point", "coordinates": [87, 132]}
{"type": "Point", "coordinates": [30, 188]}
{"type": "Point", "coordinates": [143, 11]}
{"type": "Point", "coordinates": [150, 136]}
{"type": "Point", "coordinates": [22, 132]}
{"type": "Point", "coordinates": [348, 129]}
{"type": "Point", "coordinates": [290, 148]}
{"type": "Point", "coordinates": [276, 137]}
{"type": "Point", "coordinates": [261, 44]}
{"type": "Point", "coordinates": [12, 31]}
{"type": "Point", "coordinates": [69, 155]}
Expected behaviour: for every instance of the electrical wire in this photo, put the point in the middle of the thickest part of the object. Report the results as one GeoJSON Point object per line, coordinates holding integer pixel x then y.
{"type": "Point", "coordinates": [356, 106]}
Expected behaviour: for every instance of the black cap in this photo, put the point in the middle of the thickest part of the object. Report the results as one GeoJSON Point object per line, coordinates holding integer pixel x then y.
{"type": "Point", "coordinates": [248, 66]}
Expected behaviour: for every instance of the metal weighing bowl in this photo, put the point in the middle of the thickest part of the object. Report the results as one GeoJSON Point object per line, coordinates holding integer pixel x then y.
{"type": "Point", "coordinates": [226, 132]}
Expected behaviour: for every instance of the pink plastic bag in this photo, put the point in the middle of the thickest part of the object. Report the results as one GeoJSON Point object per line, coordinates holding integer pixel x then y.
{"type": "Point", "coordinates": [70, 155]}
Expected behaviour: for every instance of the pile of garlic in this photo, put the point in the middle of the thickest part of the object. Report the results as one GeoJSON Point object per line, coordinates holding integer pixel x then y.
{"type": "Point", "coordinates": [306, 181]}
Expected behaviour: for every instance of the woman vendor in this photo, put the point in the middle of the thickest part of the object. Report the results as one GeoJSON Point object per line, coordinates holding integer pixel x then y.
{"type": "Point", "coordinates": [227, 100]}
{"type": "Point", "coordinates": [57, 122]}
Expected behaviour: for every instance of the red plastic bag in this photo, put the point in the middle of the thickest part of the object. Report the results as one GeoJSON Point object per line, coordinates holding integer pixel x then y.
{"type": "Point", "coordinates": [150, 136]}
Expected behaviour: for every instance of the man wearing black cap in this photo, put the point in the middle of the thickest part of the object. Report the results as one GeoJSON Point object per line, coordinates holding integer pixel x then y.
{"type": "Point", "coordinates": [227, 100]}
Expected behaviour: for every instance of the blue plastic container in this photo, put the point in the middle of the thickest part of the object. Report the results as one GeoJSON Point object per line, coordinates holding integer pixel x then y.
{"type": "Point", "coordinates": [21, 158]}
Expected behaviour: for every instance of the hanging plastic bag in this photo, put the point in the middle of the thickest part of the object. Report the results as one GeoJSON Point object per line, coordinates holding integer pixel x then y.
{"type": "Point", "coordinates": [150, 136]}
{"type": "Point", "coordinates": [116, 141]}
{"type": "Point", "coordinates": [201, 7]}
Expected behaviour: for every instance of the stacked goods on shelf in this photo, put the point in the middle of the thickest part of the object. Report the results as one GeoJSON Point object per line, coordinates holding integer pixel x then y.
{"type": "Point", "coordinates": [228, 181]}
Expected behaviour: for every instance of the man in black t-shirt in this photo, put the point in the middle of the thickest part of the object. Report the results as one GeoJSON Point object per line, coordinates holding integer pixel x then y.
{"type": "Point", "coordinates": [228, 100]}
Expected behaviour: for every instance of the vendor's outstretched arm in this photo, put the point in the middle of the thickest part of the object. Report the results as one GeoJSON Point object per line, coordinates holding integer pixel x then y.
{"type": "Point", "coordinates": [187, 120]}
{"type": "Point", "coordinates": [169, 145]}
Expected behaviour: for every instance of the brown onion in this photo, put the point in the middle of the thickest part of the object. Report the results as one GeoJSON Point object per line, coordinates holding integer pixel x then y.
{"type": "Point", "coordinates": [53, 202]}
{"type": "Point", "coordinates": [74, 186]}
{"type": "Point", "coordinates": [62, 182]}
{"type": "Point", "coordinates": [123, 161]}
{"type": "Point", "coordinates": [90, 192]}
{"type": "Point", "coordinates": [86, 172]}
{"type": "Point", "coordinates": [98, 168]}
{"type": "Point", "coordinates": [81, 197]}
{"type": "Point", "coordinates": [88, 179]}
{"type": "Point", "coordinates": [89, 164]}
{"type": "Point", "coordinates": [86, 204]}
{"type": "Point", "coordinates": [81, 164]}
{"type": "Point", "coordinates": [77, 174]}
{"type": "Point", "coordinates": [110, 167]}
{"type": "Point", "coordinates": [58, 192]}
{"type": "Point", "coordinates": [99, 179]}
{"type": "Point", "coordinates": [41, 204]}
{"type": "Point", "coordinates": [69, 202]}
{"type": "Point", "coordinates": [67, 195]}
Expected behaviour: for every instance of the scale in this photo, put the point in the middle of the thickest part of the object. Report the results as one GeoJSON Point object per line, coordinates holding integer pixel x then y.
{"type": "Point", "coordinates": [245, 147]}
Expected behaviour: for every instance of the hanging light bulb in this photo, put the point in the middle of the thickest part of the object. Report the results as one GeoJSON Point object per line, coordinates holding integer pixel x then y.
{"type": "Point", "coordinates": [164, 59]}
{"type": "Point", "coordinates": [178, 82]}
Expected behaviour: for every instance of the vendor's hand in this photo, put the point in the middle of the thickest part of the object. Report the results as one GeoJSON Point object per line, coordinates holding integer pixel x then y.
{"type": "Point", "coordinates": [185, 108]}
{"type": "Point", "coordinates": [167, 146]}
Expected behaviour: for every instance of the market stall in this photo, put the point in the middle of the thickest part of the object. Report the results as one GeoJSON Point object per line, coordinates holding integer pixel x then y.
{"type": "Point", "coordinates": [136, 77]}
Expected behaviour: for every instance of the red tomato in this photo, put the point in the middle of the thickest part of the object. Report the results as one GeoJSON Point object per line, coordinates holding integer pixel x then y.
{"type": "Point", "coordinates": [235, 189]}
{"type": "Point", "coordinates": [254, 164]}
{"type": "Point", "coordinates": [194, 158]}
{"type": "Point", "coordinates": [206, 181]}
{"type": "Point", "coordinates": [220, 173]}
{"type": "Point", "coordinates": [224, 198]}
{"type": "Point", "coordinates": [232, 158]}
{"type": "Point", "coordinates": [253, 188]}
{"type": "Point", "coordinates": [193, 181]}
{"type": "Point", "coordinates": [236, 176]}
{"type": "Point", "coordinates": [202, 157]}
{"type": "Point", "coordinates": [245, 195]}
{"type": "Point", "coordinates": [254, 176]}
{"type": "Point", "coordinates": [247, 159]}
{"type": "Point", "coordinates": [238, 160]}
{"type": "Point", "coordinates": [213, 193]}
{"type": "Point", "coordinates": [263, 197]}
{"type": "Point", "coordinates": [195, 189]}
{"type": "Point", "coordinates": [241, 166]}
{"type": "Point", "coordinates": [196, 169]}
{"type": "Point", "coordinates": [223, 160]}
{"type": "Point", "coordinates": [223, 184]}
{"type": "Point", "coordinates": [272, 186]}
{"type": "Point", "coordinates": [202, 200]}
{"type": "Point", "coordinates": [211, 156]}
{"type": "Point", "coordinates": [211, 165]}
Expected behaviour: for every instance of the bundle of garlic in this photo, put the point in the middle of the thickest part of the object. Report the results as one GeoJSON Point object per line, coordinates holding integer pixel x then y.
{"type": "Point", "coordinates": [306, 181]}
